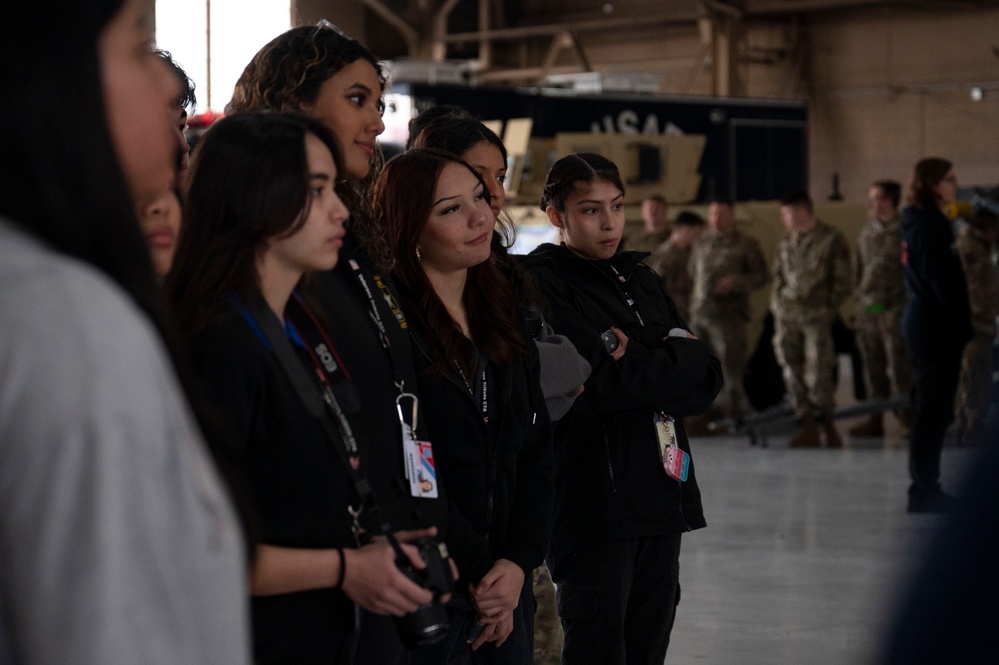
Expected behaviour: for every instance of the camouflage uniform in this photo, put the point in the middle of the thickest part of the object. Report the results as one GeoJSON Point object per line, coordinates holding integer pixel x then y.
{"type": "Point", "coordinates": [975, 251]}
{"type": "Point", "coordinates": [880, 292]}
{"type": "Point", "coordinates": [721, 320]}
{"type": "Point", "coordinates": [811, 280]}
{"type": "Point", "coordinates": [548, 636]}
{"type": "Point", "coordinates": [644, 242]}
{"type": "Point", "coordinates": [670, 262]}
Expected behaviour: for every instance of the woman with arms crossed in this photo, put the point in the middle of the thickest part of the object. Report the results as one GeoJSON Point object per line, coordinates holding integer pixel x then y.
{"type": "Point", "coordinates": [623, 498]}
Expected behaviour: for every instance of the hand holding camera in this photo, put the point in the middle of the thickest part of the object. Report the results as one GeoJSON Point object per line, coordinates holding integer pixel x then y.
{"type": "Point", "coordinates": [376, 580]}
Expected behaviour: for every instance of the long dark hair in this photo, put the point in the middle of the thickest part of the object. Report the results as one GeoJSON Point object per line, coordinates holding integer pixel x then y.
{"type": "Point", "coordinates": [404, 197]}
{"type": "Point", "coordinates": [927, 174]}
{"type": "Point", "coordinates": [62, 181]}
{"type": "Point", "coordinates": [457, 134]}
{"type": "Point", "coordinates": [288, 73]}
{"type": "Point", "coordinates": [248, 183]}
{"type": "Point", "coordinates": [568, 173]}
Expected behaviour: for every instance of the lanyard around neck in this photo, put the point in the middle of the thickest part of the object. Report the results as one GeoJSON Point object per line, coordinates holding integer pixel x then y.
{"type": "Point", "coordinates": [620, 281]}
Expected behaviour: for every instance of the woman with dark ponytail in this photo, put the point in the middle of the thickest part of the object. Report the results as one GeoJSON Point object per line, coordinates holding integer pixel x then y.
{"type": "Point", "coordinates": [625, 485]}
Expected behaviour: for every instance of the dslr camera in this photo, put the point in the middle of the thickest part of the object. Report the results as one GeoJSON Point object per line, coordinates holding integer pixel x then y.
{"type": "Point", "coordinates": [427, 625]}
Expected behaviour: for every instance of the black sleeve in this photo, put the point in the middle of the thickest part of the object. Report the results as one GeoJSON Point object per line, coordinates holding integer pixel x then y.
{"type": "Point", "coordinates": [530, 514]}
{"type": "Point", "coordinates": [680, 376]}
{"type": "Point", "coordinates": [232, 377]}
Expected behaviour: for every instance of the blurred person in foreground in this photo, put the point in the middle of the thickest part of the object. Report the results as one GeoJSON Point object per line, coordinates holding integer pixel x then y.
{"type": "Point", "coordinates": [118, 542]}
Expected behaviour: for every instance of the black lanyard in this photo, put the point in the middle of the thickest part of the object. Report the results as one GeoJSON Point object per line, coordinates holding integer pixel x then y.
{"type": "Point", "coordinates": [329, 368]}
{"type": "Point", "coordinates": [372, 305]}
{"type": "Point", "coordinates": [485, 390]}
{"type": "Point", "coordinates": [620, 282]}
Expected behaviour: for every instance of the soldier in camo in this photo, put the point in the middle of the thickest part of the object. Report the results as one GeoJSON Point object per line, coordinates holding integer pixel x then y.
{"type": "Point", "coordinates": [655, 226]}
{"type": "Point", "coordinates": [976, 248]}
{"type": "Point", "coordinates": [726, 265]}
{"type": "Point", "coordinates": [880, 291]}
{"type": "Point", "coordinates": [670, 260]}
{"type": "Point", "coordinates": [811, 280]}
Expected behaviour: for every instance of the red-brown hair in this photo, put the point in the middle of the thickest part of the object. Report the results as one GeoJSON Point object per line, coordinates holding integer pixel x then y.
{"type": "Point", "coordinates": [403, 200]}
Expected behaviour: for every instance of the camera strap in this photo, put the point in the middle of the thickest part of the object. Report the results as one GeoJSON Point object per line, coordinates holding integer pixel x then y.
{"type": "Point", "coordinates": [322, 405]}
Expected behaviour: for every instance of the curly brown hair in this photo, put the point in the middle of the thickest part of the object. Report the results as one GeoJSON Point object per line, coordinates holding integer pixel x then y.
{"type": "Point", "coordinates": [286, 75]}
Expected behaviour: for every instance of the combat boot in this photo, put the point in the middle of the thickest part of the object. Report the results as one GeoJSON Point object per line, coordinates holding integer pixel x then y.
{"type": "Point", "coordinates": [808, 435]}
{"type": "Point", "coordinates": [833, 439]}
{"type": "Point", "coordinates": [873, 426]}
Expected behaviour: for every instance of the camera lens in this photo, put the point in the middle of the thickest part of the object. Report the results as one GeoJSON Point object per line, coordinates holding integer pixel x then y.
{"type": "Point", "coordinates": [427, 625]}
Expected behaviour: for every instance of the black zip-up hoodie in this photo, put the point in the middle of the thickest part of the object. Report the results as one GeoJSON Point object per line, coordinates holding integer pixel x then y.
{"type": "Point", "coordinates": [498, 476]}
{"type": "Point", "coordinates": [609, 479]}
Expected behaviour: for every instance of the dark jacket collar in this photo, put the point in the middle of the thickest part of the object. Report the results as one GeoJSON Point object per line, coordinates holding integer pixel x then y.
{"type": "Point", "coordinates": [561, 258]}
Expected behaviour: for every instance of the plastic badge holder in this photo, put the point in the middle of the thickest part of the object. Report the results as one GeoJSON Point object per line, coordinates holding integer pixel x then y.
{"type": "Point", "coordinates": [677, 463]}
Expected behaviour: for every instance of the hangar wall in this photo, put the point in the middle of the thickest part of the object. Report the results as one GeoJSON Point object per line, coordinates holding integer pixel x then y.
{"type": "Point", "coordinates": [886, 85]}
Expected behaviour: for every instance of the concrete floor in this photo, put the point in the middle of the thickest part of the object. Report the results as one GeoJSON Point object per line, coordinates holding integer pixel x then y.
{"type": "Point", "coordinates": [805, 550]}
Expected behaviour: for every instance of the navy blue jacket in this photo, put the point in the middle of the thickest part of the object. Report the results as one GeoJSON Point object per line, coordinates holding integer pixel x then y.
{"type": "Point", "coordinates": [937, 311]}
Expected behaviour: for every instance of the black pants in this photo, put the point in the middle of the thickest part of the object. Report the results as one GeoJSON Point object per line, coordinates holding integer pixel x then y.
{"type": "Point", "coordinates": [936, 367]}
{"type": "Point", "coordinates": [617, 601]}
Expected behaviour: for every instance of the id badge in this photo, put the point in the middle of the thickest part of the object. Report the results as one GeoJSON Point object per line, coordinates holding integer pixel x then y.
{"type": "Point", "coordinates": [675, 462]}
{"type": "Point", "coordinates": [420, 469]}
{"type": "Point", "coordinates": [665, 432]}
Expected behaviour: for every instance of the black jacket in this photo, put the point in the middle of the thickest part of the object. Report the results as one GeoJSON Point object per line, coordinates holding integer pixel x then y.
{"type": "Point", "coordinates": [374, 371]}
{"type": "Point", "coordinates": [299, 486]}
{"type": "Point", "coordinates": [497, 475]}
{"type": "Point", "coordinates": [610, 483]}
{"type": "Point", "coordinates": [937, 311]}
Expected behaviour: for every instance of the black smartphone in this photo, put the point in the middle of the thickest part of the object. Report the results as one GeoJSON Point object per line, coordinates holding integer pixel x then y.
{"type": "Point", "coordinates": [610, 340]}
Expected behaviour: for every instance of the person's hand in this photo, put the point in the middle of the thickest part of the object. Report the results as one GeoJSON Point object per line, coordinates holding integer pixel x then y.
{"type": "Point", "coordinates": [374, 581]}
{"type": "Point", "coordinates": [499, 589]}
{"type": "Point", "coordinates": [622, 343]}
{"type": "Point", "coordinates": [431, 532]}
{"type": "Point", "coordinates": [495, 629]}
{"type": "Point", "coordinates": [724, 285]}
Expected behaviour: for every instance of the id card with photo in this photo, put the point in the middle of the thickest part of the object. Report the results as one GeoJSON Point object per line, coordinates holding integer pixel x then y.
{"type": "Point", "coordinates": [420, 468]}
